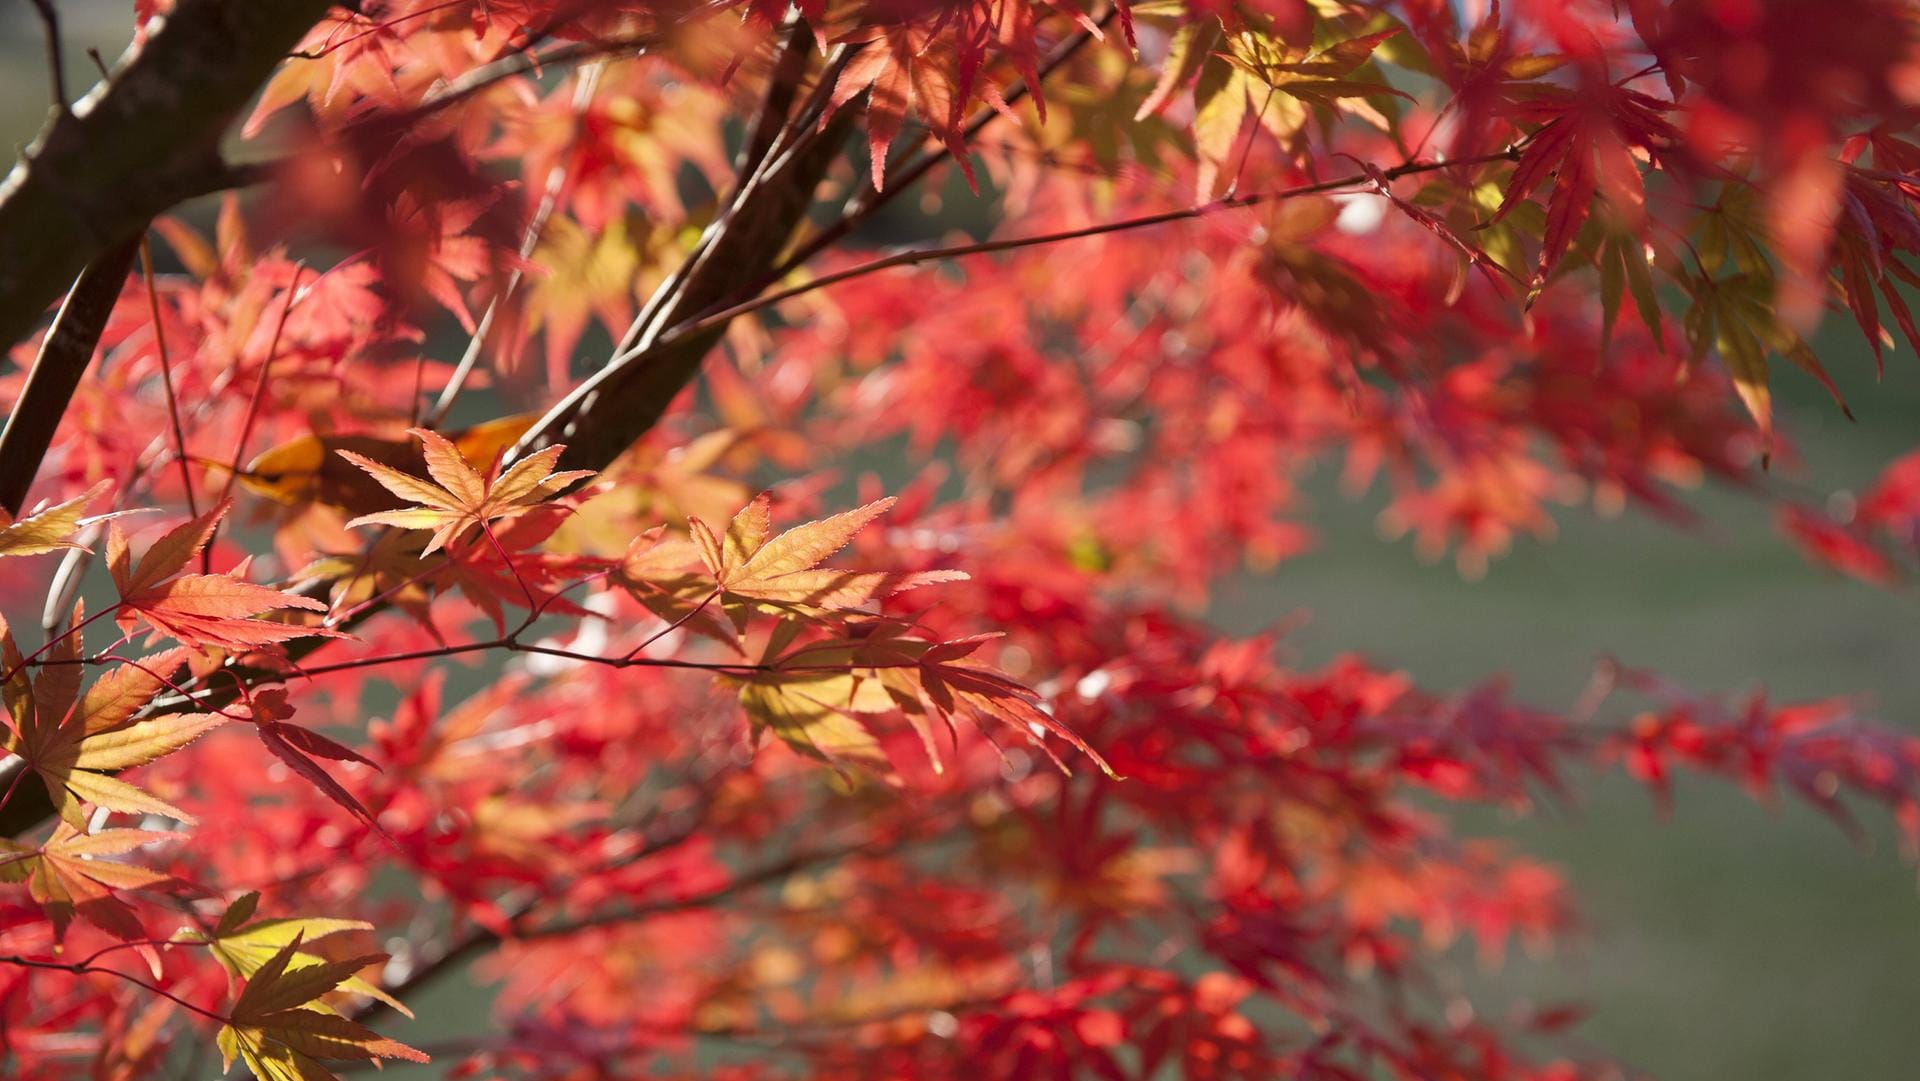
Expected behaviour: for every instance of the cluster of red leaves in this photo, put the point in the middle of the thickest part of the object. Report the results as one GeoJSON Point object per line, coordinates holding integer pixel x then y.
{"type": "Point", "coordinates": [977, 800]}
{"type": "Point", "coordinates": [1040, 393]}
{"type": "Point", "coordinates": [1875, 534]}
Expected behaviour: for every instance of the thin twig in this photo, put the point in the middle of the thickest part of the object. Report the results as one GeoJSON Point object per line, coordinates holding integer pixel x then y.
{"type": "Point", "coordinates": [675, 625]}
{"type": "Point", "coordinates": [82, 970]}
{"type": "Point", "coordinates": [166, 376]}
{"type": "Point", "coordinates": [480, 940]}
{"type": "Point", "coordinates": [916, 256]}
{"type": "Point", "coordinates": [56, 64]}
{"type": "Point", "coordinates": [549, 199]}
{"type": "Point", "coordinates": [253, 408]}
{"type": "Point", "coordinates": [333, 44]}
{"type": "Point", "coordinates": [1253, 136]}
{"type": "Point", "coordinates": [869, 201]}
{"type": "Point", "coordinates": [524, 62]}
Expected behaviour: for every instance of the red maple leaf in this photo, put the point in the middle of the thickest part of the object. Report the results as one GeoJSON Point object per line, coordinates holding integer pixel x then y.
{"type": "Point", "coordinates": [1585, 144]}
{"type": "Point", "coordinates": [207, 611]}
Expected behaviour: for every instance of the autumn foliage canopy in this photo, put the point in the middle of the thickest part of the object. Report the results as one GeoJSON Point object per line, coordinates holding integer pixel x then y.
{"type": "Point", "coordinates": [549, 492]}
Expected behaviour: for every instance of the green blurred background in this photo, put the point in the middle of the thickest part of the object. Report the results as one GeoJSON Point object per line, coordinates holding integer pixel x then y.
{"type": "Point", "coordinates": [1731, 943]}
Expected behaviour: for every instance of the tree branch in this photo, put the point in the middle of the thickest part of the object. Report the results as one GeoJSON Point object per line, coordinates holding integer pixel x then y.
{"type": "Point", "coordinates": [480, 940]}
{"type": "Point", "coordinates": [916, 256]}
{"type": "Point", "coordinates": [56, 373]}
{"type": "Point", "coordinates": [607, 413]}
{"type": "Point", "coordinates": [56, 63]}
{"type": "Point", "coordinates": [136, 145]}
{"type": "Point", "coordinates": [614, 408]}
{"type": "Point", "coordinates": [864, 205]}
{"type": "Point", "coordinates": [783, 86]}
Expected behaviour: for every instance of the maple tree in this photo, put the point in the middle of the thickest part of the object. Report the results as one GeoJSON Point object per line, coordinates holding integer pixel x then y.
{"type": "Point", "coordinates": [496, 405]}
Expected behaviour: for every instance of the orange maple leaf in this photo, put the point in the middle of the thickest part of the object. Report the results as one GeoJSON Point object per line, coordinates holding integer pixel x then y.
{"type": "Point", "coordinates": [65, 876]}
{"type": "Point", "coordinates": [748, 569]}
{"type": "Point", "coordinates": [73, 743]}
{"type": "Point", "coordinates": [813, 697]}
{"type": "Point", "coordinates": [46, 530]}
{"type": "Point", "coordinates": [459, 497]}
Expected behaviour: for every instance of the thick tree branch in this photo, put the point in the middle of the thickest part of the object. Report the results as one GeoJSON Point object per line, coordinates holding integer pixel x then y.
{"type": "Point", "coordinates": [610, 411]}
{"type": "Point", "coordinates": [137, 144]}
{"type": "Point", "coordinates": [57, 370]}
{"type": "Point", "coordinates": [776, 105]}
{"type": "Point", "coordinates": [869, 201]}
